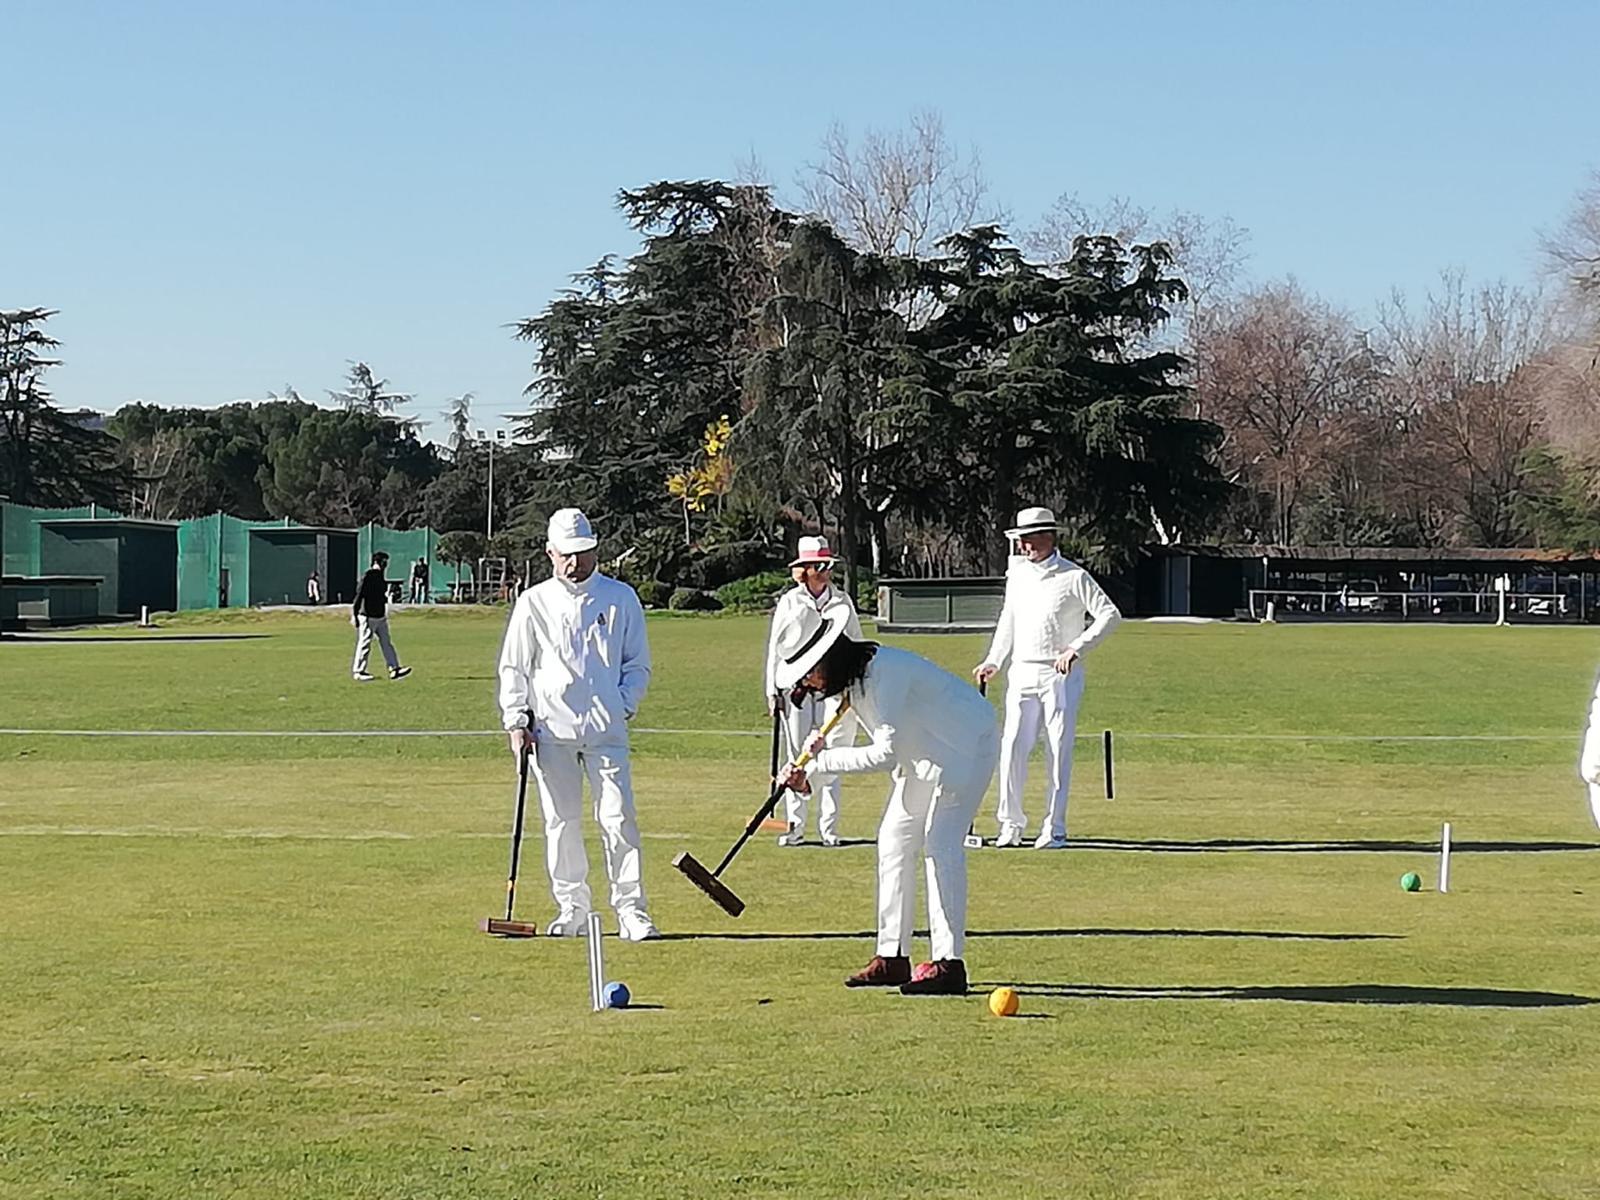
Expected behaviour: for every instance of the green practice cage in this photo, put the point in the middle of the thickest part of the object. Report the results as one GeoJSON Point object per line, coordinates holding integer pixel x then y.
{"type": "Point", "coordinates": [136, 561]}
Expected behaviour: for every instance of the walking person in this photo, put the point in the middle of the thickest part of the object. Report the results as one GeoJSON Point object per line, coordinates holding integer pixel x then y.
{"type": "Point", "coordinates": [574, 667]}
{"type": "Point", "coordinates": [939, 740]}
{"type": "Point", "coordinates": [1054, 613]}
{"type": "Point", "coordinates": [813, 594]}
{"type": "Point", "coordinates": [370, 615]}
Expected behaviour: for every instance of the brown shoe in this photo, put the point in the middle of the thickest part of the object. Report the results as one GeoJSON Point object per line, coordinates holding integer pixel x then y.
{"type": "Point", "coordinates": [946, 977]}
{"type": "Point", "coordinates": [882, 972]}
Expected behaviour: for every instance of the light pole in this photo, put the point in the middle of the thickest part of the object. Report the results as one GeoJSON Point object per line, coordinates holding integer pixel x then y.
{"type": "Point", "coordinates": [483, 436]}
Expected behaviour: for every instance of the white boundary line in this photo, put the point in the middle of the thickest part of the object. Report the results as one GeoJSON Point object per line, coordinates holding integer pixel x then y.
{"type": "Point", "coordinates": [755, 733]}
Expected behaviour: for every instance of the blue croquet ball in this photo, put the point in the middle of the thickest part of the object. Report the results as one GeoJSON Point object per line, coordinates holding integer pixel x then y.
{"type": "Point", "coordinates": [1411, 881]}
{"type": "Point", "coordinates": [616, 995]}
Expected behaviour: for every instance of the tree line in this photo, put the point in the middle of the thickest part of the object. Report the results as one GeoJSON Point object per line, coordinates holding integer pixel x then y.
{"type": "Point", "coordinates": [885, 361]}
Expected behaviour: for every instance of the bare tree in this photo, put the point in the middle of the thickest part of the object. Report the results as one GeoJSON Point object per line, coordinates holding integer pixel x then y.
{"type": "Point", "coordinates": [1573, 251]}
{"type": "Point", "coordinates": [1283, 374]}
{"type": "Point", "coordinates": [1467, 370]}
{"type": "Point", "coordinates": [898, 193]}
{"type": "Point", "coordinates": [1208, 253]}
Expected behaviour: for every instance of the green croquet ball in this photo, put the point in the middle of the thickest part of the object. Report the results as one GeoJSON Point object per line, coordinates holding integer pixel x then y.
{"type": "Point", "coordinates": [1411, 881]}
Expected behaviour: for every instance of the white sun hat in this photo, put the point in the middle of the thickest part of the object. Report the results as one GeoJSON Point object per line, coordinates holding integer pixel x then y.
{"type": "Point", "coordinates": [569, 532]}
{"type": "Point", "coordinates": [801, 644]}
{"type": "Point", "coordinates": [813, 551]}
{"type": "Point", "coordinates": [1034, 520]}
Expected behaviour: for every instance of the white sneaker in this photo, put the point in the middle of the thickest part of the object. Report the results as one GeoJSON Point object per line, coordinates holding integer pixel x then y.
{"type": "Point", "coordinates": [635, 925]}
{"type": "Point", "coordinates": [830, 839]}
{"type": "Point", "coordinates": [796, 837]}
{"type": "Point", "coordinates": [1050, 841]}
{"type": "Point", "coordinates": [1010, 835]}
{"type": "Point", "coordinates": [568, 924]}
{"type": "Point", "coordinates": [361, 677]}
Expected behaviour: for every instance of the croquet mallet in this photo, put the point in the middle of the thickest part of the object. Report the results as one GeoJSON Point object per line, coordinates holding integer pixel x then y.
{"type": "Point", "coordinates": [972, 841]}
{"type": "Point", "coordinates": [509, 928]}
{"type": "Point", "coordinates": [708, 881]}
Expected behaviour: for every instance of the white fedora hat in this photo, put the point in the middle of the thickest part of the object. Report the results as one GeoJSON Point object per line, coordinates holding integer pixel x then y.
{"type": "Point", "coordinates": [813, 551]}
{"type": "Point", "coordinates": [801, 644]}
{"type": "Point", "coordinates": [569, 532]}
{"type": "Point", "coordinates": [1033, 520]}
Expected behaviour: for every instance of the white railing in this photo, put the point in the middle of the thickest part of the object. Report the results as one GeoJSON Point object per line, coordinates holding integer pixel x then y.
{"type": "Point", "coordinates": [1403, 606]}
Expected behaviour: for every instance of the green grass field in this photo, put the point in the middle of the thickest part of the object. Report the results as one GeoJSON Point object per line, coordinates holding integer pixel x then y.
{"type": "Point", "coordinates": [248, 966]}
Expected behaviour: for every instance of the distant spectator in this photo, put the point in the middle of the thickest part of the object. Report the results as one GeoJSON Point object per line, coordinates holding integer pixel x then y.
{"type": "Point", "coordinates": [419, 581]}
{"type": "Point", "coordinates": [370, 615]}
{"type": "Point", "coordinates": [313, 589]}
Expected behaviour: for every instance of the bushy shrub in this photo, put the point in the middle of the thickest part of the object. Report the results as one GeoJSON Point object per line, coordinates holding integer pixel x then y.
{"type": "Point", "coordinates": [653, 593]}
{"type": "Point", "coordinates": [693, 600]}
{"type": "Point", "coordinates": [754, 592]}
{"type": "Point", "coordinates": [717, 565]}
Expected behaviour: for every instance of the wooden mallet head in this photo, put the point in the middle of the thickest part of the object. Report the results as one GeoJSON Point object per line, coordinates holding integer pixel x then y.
{"type": "Point", "coordinates": [508, 929]}
{"type": "Point", "coordinates": [721, 894]}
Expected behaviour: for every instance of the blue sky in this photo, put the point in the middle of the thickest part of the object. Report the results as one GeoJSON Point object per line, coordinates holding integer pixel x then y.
{"type": "Point", "coordinates": [222, 199]}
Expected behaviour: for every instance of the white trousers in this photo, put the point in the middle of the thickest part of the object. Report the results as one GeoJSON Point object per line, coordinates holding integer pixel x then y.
{"type": "Point", "coordinates": [1594, 802]}
{"type": "Point", "coordinates": [368, 628]}
{"type": "Point", "coordinates": [559, 769]}
{"type": "Point", "coordinates": [928, 818]}
{"type": "Point", "coordinates": [1039, 698]}
{"type": "Point", "coordinates": [799, 722]}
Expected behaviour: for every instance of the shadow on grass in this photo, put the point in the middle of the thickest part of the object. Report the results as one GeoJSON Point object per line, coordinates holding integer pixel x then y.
{"type": "Point", "coordinates": [830, 935]}
{"type": "Point", "coordinates": [1346, 993]}
{"type": "Point", "coordinates": [137, 639]}
{"type": "Point", "coordinates": [1372, 846]}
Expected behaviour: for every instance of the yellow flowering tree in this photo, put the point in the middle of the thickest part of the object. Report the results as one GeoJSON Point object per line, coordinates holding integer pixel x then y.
{"type": "Point", "coordinates": [707, 479]}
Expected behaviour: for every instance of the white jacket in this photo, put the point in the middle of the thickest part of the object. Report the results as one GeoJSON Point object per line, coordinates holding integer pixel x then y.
{"type": "Point", "coordinates": [575, 655]}
{"type": "Point", "coordinates": [921, 719]}
{"type": "Point", "coordinates": [1589, 756]}
{"type": "Point", "coordinates": [1048, 610]}
{"type": "Point", "coordinates": [797, 604]}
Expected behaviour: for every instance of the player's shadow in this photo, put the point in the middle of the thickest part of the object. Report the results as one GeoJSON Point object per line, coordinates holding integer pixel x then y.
{"type": "Point", "coordinates": [1085, 931]}
{"type": "Point", "coordinates": [137, 640]}
{"type": "Point", "coordinates": [1345, 993]}
{"type": "Point", "coordinates": [1289, 846]}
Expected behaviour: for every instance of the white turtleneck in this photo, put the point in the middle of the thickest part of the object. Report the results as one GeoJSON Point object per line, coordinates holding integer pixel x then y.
{"type": "Point", "coordinates": [1050, 607]}
{"type": "Point", "coordinates": [576, 656]}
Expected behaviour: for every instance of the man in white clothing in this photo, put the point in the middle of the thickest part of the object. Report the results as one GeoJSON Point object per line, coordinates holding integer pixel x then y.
{"type": "Point", "coordinates": [938, 739]}
{"type": "Point", "coordinates": [573, 670]}
{"type": "Point", "coordinates": [1054, 613]}
{"type": "Point", "coordinates": [812, 595]}
{"type": "Point", "coordinates": [1589, 758]}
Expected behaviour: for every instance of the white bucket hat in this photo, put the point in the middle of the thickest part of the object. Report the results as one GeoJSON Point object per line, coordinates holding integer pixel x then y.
{"type": "Point", "coordinates": [801, 645]}
{"type": "Point", "coordinates": [1034, 520]}
{"type": "Point", "coordinates": [569, 532]}
{"type": "Point", "coordinates": [813, 551]}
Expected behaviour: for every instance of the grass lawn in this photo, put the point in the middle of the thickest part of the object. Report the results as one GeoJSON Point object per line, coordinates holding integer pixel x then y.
{"type": "Point", "coordinates": [248, 967]}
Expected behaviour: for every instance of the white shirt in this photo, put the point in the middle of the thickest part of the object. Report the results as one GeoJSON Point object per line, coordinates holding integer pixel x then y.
{"type": "Point", "coordinates": [1048, 610]}
{"type": "Point", "coordinates": [575, 655]}
{"type": "Point", "coordinates": [1589, 757]}
{"type": "Point", "coordinates": [920, 719]}
{"type": "Point", "coordinates": [797, 604]}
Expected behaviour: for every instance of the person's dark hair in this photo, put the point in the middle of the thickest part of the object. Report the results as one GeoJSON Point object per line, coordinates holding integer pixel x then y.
{"type": "Point", "coordinates": [844, 663]}
{"type": "Point", "coordinates": [381, 558]}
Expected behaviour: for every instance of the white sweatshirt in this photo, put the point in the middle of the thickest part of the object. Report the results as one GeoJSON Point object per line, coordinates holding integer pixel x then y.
{"type": "Point", "coordinates": [1047, 611]}
{"type": "Point", "coordinates": [920, 718]}
{"type": "Point", "coordinates": [1589, 756]}
{"type": "Point", "coordinates": [796, 604]}
{"type": "Point", "coordinates": [576, 656]}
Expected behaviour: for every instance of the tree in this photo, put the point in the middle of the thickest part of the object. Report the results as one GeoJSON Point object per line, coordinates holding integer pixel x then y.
{"type": "Point", "coordinates": [366, 393]}
{"type": "Point", "coordinates": [707, 479]}
{"type": "Point", "coordinates": [1278, 371]}
{"type": "Point", "coordinates": [458, 412]}
{"type": "Point", "coordinates": [1043, 391]}
{"type": "Point", "coordinates": [347, 468]}
{"type": "Point", "coordinates": [47, 457]}
{"type": "Point", "coordinates": [633, 364]}
{"type": "Point", "coordinates": [458, 548]}
{"type": "Point", "coordinates": [898, 194]}
{"type": "Point", "coordinates": [1467, 368]}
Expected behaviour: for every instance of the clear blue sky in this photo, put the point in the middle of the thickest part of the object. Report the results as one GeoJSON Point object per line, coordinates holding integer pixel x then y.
{"type": "Point", "coordinates": [223, 198]}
